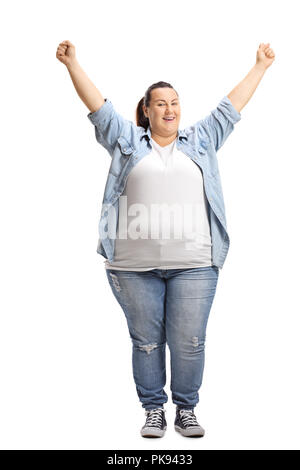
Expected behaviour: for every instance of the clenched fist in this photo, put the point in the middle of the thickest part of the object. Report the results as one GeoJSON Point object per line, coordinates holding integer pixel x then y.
{"type": "Point", "coordinates": [265, 55]}
{"type": "Point", "coordinates": [66, 52]}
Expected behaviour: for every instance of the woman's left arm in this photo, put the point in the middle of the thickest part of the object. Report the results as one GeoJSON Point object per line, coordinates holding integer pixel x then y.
{"type": "Point", "coordinates": [241, 94]}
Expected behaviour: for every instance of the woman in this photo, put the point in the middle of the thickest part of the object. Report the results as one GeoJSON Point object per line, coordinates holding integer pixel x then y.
{"type": "Point", "coordinates": [164, 275]}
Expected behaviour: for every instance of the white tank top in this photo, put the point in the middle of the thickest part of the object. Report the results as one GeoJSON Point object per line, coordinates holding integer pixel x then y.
{"type": "Point", "coordinates": [168, 178]}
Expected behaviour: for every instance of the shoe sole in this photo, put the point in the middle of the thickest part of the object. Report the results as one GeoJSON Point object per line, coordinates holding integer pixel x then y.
{"type": "Point", "coordinates": [150, 432]}
{"type": "Point", "coordinates": [191, 432]}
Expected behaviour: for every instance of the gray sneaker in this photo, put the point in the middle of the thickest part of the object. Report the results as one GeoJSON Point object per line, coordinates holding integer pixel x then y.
{"type": "Point", "coordinates": [156, 424]}
{"type": "Point", "coordinates": [186, 423]}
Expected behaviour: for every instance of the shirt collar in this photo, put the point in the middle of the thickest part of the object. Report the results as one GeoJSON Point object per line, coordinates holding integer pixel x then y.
{"type": "Point", "coordinates": [147, 134]}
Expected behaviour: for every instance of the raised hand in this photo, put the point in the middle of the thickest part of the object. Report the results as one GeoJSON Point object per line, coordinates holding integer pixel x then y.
{"type": "Point", "coordinates": [65, 52]}
{"type": "Point", "coordinates": [265, 55]}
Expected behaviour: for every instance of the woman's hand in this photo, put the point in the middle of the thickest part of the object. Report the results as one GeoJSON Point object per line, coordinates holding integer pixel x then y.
{"type": "Point", "coordinates": [66, 53]}
{"type": "Point", "coordinates": [265, 55]}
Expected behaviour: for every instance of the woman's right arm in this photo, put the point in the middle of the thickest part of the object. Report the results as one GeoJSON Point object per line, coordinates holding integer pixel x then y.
{"type": "Point", "coordinates": [109, 124]}
{"type": "Point", "coordinates": [85, 88]}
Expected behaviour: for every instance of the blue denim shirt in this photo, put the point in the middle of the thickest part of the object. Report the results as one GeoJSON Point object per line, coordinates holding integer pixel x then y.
{"type": "Point", "coordinates": [128, 143]}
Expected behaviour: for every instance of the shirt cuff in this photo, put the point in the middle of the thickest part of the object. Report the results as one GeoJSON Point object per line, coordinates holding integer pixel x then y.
{"type": "Point", "coordinates": [229, 110]}
{"type": "Point", "coordinates": [103, 114]}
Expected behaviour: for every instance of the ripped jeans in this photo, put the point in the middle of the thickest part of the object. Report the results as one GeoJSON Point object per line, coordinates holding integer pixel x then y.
{"type": "Point", "coordinates": [166, 306]}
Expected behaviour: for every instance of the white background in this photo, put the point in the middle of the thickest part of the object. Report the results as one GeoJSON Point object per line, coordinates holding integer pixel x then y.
{"type": "Point", "coordinates": [66, 377]}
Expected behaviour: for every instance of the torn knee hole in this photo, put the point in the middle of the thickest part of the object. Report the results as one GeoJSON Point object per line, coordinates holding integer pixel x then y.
{"type": "Point", "coordinates": [148, 347]}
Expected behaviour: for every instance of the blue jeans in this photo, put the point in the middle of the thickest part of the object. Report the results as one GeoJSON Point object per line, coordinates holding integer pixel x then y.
{"type": "Point", "coordinates": [166, 306]}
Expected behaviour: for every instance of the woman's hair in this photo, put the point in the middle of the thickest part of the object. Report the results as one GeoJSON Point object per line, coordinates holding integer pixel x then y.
{"type": "Point", "coordinates": [141, 119]}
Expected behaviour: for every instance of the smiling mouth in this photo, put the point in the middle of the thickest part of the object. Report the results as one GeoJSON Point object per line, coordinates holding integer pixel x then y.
{"type": "Point", "coordinates": [169, 120]}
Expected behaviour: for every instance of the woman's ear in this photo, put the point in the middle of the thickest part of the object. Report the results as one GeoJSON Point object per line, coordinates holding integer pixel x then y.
{"type": "Point", "coordinates": [145, 111]}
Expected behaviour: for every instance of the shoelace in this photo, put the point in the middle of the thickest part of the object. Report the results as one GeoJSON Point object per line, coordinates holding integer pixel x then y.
{"type": "Point", "coordinates": [188, 418]}
{"type": "Point", "coordinates": [154, 417]}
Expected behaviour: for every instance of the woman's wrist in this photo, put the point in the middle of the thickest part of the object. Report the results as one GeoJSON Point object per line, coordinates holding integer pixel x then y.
{"type": "Point", "coordinates": [72, 64]}
{"type": "Point", "coordinates": [260, 67]}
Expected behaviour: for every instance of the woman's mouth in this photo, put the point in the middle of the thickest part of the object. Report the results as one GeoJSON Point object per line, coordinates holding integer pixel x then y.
{"type": "Point", "coordinates": [169, 119]}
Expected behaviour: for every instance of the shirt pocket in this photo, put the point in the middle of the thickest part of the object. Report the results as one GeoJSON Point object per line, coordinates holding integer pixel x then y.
{"type": "Point", "coordinates": [124, 146]}
{"type": "Point", "coordinates": [203, 145]}
{"type": "Point", "coordinates": [208, 157]}
{"type": "Point", "coordinates": [122, 154]}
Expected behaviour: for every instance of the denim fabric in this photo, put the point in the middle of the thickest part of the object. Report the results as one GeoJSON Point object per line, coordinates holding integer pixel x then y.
{"type": "Point", "coordinates": [166, 307]}
{"type": "Point", "coordinates": [128, 143]}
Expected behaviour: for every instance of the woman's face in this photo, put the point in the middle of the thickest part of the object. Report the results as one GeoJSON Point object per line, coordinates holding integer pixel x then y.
{"type": "Point", "coordinates": [164, 103]}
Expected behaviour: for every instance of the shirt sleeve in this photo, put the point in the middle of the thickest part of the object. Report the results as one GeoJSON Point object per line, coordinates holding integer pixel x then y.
{"type": "Point", "coordinates": [220, 122]}
{"type": "Point", "coordinates": [108, 124]}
